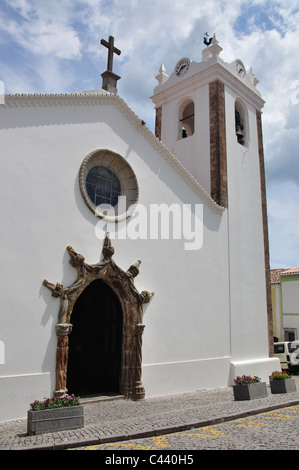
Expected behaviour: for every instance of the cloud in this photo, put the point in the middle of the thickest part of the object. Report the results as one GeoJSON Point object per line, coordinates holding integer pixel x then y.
{"type": "Point", "coordinates": [45, 38]}
{"type": "Point", "coordinates": [41, 30]}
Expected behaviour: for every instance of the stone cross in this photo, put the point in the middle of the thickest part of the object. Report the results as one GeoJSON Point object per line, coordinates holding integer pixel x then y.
{"type": "Point", "coordinates": [111, 51]}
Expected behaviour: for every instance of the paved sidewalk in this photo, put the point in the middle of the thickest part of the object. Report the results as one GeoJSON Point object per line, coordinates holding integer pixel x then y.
{"type": "Point", "coordinates": [120, 419]}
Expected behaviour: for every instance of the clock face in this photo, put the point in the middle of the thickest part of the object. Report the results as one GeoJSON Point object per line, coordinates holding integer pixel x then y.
{"type": "Point", "coordinates": [240, 68]}
{"type": "Point", "coordinates": [182, 67]}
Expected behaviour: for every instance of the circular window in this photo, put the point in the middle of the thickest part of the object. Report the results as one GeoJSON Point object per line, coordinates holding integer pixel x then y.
{"type": "Point", "coordinates": [108, 185]}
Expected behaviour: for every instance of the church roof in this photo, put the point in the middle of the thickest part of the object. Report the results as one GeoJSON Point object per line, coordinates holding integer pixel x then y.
{"type": "Point", "coordinates": [102, 97]}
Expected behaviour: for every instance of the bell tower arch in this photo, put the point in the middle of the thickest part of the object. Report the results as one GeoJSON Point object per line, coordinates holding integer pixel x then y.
{"type": "Point", "coordinates": [241, 122]}
{"type": "Point", "coordinates": [190, 118]}
{"type": "Point", "coordinates": [186, 119]}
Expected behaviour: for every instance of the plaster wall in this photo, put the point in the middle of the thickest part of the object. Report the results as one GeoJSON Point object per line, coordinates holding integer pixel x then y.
{"type": "Point", "coordinates": [245, 248]}
{"type": "Point", "coordinates": [291, 322]}
{"type": "Point", "coordinates": [187, 321]}
{"type": "Point", "coordinates": [246, 242]}
{"type": "Point", "coordinates": [290, 294]}
{"type": "Point", "coordinates": [193, 152]}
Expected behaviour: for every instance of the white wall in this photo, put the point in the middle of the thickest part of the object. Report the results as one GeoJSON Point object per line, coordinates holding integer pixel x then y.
{"type": "Point", "coordinates": [290, 303]}
{"type": "Point", "coordinates": [246, 243]}
{"type": "Point", "coordinates": [194, 151]}
{"type": "Point", "coordinates": [290, 295]}
{"type": "Point", "coordinates": [247, 289]}
{"type": "Point", "coordinates": [43, 212]}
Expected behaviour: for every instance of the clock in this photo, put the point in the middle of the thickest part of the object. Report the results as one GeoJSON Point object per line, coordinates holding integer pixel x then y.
{"type": "Point", "coordinates": [182, 66]}
{"type": "Point", "coordinates": [240, 68]}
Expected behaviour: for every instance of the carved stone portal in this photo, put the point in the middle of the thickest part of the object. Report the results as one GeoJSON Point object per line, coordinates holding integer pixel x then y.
{"type": "Point", "coordinates": [131, 302]}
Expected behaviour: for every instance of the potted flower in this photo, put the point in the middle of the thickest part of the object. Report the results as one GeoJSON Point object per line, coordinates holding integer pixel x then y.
{"type": "Point", "coordinates": [247, 387]}
{"type": "Point", "coordinates": [282, 382]}
{"type": "Point", "coordinates": [55, 414]}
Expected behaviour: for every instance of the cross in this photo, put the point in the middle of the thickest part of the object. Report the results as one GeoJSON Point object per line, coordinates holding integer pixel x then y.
{"type": "Point", "coordinates": [111, 51]}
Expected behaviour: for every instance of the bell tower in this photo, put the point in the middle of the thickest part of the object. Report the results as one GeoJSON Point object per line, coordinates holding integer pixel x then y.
{"type": "Point", "coordinates": [194, 119]}
{"type": "Point", "coordinates": [208, 114]}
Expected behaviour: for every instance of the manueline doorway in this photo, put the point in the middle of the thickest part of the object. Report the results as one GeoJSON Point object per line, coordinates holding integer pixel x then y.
{"type": "Point", "coordinates": [95, 343]}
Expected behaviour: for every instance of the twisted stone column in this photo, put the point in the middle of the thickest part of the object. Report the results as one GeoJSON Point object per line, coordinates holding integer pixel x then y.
{"type": "Point", "coordinates": [138, 391]}
{"type": "Point", "coordinates": [62, 331]}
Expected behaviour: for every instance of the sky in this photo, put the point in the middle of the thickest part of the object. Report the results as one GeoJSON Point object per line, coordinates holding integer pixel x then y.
{"type": "Point", "coordinates": [53, 46]}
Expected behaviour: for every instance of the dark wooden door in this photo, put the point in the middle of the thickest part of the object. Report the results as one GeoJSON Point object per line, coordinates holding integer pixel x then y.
{"type": "Point", "coordinates": [95, 342]}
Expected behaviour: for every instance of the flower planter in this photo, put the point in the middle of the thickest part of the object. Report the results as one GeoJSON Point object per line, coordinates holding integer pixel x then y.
{"type": "Point", "coordinates": [283, 386]}
{"type": "Point", "coordinates": [56, 419]}
{"type": "Point", "coordinates": [250, 391]}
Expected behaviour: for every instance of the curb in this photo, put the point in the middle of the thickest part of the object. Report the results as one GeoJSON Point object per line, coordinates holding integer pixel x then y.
{"type": "Point", "coordinates": [156, 431]}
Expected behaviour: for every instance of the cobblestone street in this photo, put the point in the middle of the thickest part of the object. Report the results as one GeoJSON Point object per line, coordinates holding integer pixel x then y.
{"type": "Point", "coordinates": [274, 430]}
{"type": "Point", "coordinates": [204, 419]}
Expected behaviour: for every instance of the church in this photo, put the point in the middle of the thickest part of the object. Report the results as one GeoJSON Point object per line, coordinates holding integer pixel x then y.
{"type": "Point", "coordinates": [134, 264]}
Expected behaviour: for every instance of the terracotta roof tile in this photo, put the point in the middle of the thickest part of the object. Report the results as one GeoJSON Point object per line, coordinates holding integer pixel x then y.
{"type": "Point", "coordinates": [291, 271]}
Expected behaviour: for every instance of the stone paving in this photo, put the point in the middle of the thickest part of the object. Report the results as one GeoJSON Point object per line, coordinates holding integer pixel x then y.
{"type": "Point", "coordinates": [120, 419]}
{"type": "Point", "coordinates": [273, 430]}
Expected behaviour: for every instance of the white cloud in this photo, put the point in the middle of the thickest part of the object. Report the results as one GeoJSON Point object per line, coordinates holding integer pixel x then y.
{"type": "Point", "coordinates": [50, 39]}
{"type": "Point", "coordinates": [42, 28]}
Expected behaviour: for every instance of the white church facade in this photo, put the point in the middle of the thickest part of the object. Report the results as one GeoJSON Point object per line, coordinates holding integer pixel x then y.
{"type": "Point", "coordinates": [134, 263]}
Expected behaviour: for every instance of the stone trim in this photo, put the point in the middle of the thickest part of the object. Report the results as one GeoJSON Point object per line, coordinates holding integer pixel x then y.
{"type": "Point", "coordinates": [158, 123]}
{"type": "Point", "coordinates": [131, 302]}
{"type": "Point", "coordinates": [265, 231]}
{"type": "Point", "coordinates": [126, 176]}
{"type": "Point", "coordinates": [218, 161]}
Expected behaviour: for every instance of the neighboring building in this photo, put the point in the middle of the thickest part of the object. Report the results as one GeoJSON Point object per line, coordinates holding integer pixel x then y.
{"type": "Point", "coordinates": [73, 319]}
{"type": "Point", "coordinates": [289, 280]}
{"type": "Point", "coordinates": [285, 303]}
{"type": "Point", "coordinates": [276, 305]}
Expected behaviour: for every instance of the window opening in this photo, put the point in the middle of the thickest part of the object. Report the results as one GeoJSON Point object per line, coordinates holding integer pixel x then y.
{"type": "Point", "coordinates": [240, 124]}
{"type": "Point", "coordinates": [278, 348]}
{"type": "Point", "coordinates": [289, 335]}
{"type": "Point", "coordinates": [239, 128]}
{"type": "Point", "coordinates": [102, 186]}
{"type": "Point", "coordinates": [186, 121]}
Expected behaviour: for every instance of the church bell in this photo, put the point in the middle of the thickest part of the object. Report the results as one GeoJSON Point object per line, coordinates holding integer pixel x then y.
{"type": "Point", "coordinates": [240, 135]}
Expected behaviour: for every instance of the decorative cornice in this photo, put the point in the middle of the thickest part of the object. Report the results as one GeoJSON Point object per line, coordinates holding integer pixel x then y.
{"type": "Point", "coordinates": [218, 70]}
{"type": "Point", "coordinates": [103, 98]}
{"type": "Point", "coordinates": [52, 99]}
